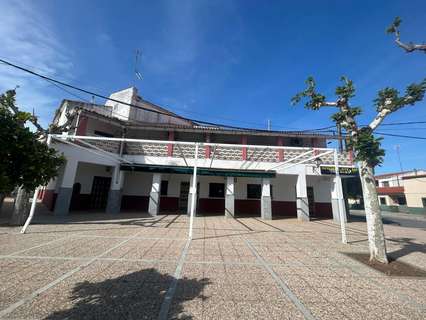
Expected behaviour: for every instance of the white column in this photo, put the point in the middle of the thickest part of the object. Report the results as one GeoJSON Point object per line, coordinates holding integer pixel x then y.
{"type": "Point", "coordinates": [114, 195]}
{"type": "Point", "coordinates": [154, 196]}
{"type": "Point", "coordinates": [230, 197]}
{"type": "Point", "coordinates": [340, 202]}
{"type": "Point", "coordinates": [63, 199]}
{"type": "Point", "coordinates": [302, 197]}
{"type": "Point", "coordinates": [190, 195]}
{"type": "Point", "coordinates": [266, 204]}
{"type": "Point", "coordinates": [336, 202]}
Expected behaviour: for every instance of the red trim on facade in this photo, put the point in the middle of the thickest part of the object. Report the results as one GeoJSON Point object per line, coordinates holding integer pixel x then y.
{"type": "Point", "coordinates": [208, 205]}
{"type": "Point", "coordinates": [351, 156]}
{"type": "Point", "coordinates": [316, 152]}
{"type": "Point", "coordinates": [247, 207]}
{"type": "Point", "coordinates": [284, 209]}
{"type": "Point", "coordinates": [390, 190]}
{"type": "Point", "coordinates": [170, 146]}
{"type": "Point", "coordinates": [135, 203]}
{"type": "Point", "coordinates": [169, 204]}
{"type": "Point", "coordinates": [49, 199]}
{"type": "Point", "coordinates": [207, 149]}
{"type": "Point", "coordinates": [82, 126]}
{"type": "Point", "coordinates": [323, 210]}
{"type": "Point", "coordinates": [280, 152]}
{"type": "Point", "coordinates": [244, 149]}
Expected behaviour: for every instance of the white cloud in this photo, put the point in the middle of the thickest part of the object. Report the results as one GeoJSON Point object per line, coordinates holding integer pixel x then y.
{"type": "Point", "coordinates": [28, 39]}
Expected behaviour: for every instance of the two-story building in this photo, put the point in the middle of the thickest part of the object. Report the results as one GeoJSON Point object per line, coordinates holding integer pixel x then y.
{"type": "Point", "coordinates": [132, 155]}
{"type": "Point", "coordinates": [402, 191]}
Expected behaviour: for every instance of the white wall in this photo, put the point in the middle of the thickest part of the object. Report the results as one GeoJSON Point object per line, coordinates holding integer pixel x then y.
{"type": "Point", "coordinates": [137, 183]}
{"type": "Point", "coordinates": [322, 187]}
{"type": "Point", "coordinates": [86, 172]}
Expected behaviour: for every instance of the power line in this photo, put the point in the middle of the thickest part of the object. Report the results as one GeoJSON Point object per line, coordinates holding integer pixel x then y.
{"type": "Point", "coordinates": [52, 80]}
{"type": "Point", "coordinates": [58, 84]}
{"type": "Point", "coordinates": [400, 136]}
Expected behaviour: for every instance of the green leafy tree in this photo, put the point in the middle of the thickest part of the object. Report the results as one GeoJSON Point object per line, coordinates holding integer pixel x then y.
{"type": "Point", "coordinates": [27, 161]}
{"type": "Point", "coordinates": [408, 47]}
{"type": "Point", "coordinates": [365, 145]}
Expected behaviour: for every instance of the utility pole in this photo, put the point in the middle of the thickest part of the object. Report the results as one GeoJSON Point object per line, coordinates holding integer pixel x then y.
{"type": "Point", "coordinates": [269, 125]}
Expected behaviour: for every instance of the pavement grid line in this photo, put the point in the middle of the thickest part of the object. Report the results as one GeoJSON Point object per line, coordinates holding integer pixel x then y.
{"type": "Point", "coordinates": [402, 296]}
{"type": "Point", "coordinates": [165, 306]}
{"type": "Point", "coordinates": [286, 290]}
{"type": "Point", "coordinates": [37, 292]}
{"type": "Point", "coordinates": [41, 245]}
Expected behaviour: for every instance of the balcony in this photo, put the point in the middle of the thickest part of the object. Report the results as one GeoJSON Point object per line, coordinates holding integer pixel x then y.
{"type": "Point", "coordinates": [209, 151]}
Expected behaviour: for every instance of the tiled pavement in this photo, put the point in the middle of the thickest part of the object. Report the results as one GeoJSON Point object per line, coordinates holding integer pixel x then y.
{"type": "Point", "coordinates": [138, 267]}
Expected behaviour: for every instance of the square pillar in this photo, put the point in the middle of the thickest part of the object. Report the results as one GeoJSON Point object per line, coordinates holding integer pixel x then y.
{"type": "Point", "coordinates": [63, 200]}
{"type": "Point", "coordinates": [115, 192]}
{"type": "Point", "coordinates": [230, 197]}
{"type": "Point", "coordinates": [337, 201]}
{"type": "Point", "coordinates": [154, 196]}
{"type": "Point", "coordinates": [265, 202]}
{"type": "Point", "coordinates": [302, 203]}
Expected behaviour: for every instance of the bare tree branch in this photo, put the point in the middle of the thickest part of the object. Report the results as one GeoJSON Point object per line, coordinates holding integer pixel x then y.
{"type": "Point", "coordinates": [408, 47]}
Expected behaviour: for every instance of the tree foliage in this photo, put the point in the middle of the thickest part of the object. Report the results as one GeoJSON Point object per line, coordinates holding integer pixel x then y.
{"type": "Point", "coordinates": [25, 160]}
{"type": "Point", "coordinates": [361, 139]}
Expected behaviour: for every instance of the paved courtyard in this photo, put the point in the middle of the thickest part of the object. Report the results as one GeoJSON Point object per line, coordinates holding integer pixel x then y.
{"type": "Point", "coordinates": [138, 267]}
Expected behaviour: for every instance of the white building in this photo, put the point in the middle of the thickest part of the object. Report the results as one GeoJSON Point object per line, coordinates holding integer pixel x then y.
{"type": "Point", "coordinates": [123, 158]}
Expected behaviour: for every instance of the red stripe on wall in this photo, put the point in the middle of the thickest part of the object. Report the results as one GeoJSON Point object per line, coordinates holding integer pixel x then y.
{"type": "Point", "coordinates": [82, 126]}
{"type": "Point", "coordinates": [247, 207]}
{"type": "Point", "coordinates": [169, 204]}
{"type": "Point", "coordinates": [49, 199]}
{"type": "Point", "coordinates": [284, 209]}
{"type": "Point", "coordinates": [211, 206]}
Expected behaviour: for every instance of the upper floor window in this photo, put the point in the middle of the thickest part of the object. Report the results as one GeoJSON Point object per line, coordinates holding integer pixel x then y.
{"type": "Point", "coordinates": [103, 134]}
{"type": "Point", "coordinates": [295, 142]}
{"type": "Point", "coordinates": [385, 183]}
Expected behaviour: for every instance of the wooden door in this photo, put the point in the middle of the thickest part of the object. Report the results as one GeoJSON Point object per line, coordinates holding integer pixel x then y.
{"type": "Point", "coordinates": [183, 196]}
{"type": "Point", "coordinates": [311, 200]}
{"type": "Point", "coordinates": [99, 195]}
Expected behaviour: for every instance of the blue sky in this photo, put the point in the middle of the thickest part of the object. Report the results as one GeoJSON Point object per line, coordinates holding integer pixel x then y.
{"type": "Point", "coordinates": [234, 62]}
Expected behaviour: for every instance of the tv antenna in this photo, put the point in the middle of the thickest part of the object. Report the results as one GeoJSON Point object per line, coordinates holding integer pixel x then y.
{"type": "Point", "coordinates": [138, 57]}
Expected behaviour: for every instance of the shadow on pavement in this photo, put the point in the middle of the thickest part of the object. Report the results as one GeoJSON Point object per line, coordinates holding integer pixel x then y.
{"type": "Point", "coordinates": [137, 295]}
{"type": "Point", "coordinates": [408, 246]}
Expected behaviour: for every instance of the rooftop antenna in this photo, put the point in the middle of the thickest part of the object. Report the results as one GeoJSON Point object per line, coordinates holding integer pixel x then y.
{"type": "Point", "coordinates": [138, 57]}
{"type": "Point", "coordinates": [399, 157]}
{"type": "Point", "coordinates": [269, 124]}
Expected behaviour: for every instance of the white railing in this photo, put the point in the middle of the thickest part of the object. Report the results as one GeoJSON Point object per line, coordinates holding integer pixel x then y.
{"type": "Point", "coordinates": [217, 151]}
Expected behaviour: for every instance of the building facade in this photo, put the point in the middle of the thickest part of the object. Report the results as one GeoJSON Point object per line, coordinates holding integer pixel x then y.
{"type": "Point", "coordinates": [403, 191]}
{"type": "Point", "coordinates": [132, 155]}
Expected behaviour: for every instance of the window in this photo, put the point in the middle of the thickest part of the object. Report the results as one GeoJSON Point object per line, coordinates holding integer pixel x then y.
{"type": "Point", "coordinates": [295, 142]}
{"type": "Point", "coordinates": [103, 134]}
{"type": "Point", "coordinates": [424, 202]}
{"type": "Point", "coordinates": [164, 187]}
{"type": "Point", "coordinates": [377, 183]}
{"type": "Point", "coordinates": [254, 191]}
{"type": "Point", "coordinates": [385, 183]}
{"type": "Point", "coordinates": [216, 190]}
{"type": "Point", "coordinates": [401, 201]}
{"type": "Point", "coordinates": [382, 201]}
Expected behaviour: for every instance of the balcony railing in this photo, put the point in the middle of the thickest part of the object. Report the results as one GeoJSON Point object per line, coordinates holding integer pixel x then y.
{"type": "Point", "coordinates": [230, 152]}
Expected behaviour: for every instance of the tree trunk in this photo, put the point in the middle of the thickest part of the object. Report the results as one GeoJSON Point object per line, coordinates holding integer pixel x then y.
{"type": "Point", "coordinates": [21, 208]}
{"type": "Point", "coordinates": [376, 236]}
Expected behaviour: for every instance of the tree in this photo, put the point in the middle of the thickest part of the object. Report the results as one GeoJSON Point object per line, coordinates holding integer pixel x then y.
{"type": "Point", "coordinates": [408, 47]}
{"type": "Point", "coordinates": [27, 161]}
{"type": "Point", "coordinates": [365, 145]}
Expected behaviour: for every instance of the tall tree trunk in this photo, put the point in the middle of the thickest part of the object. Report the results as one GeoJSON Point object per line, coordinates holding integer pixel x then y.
{"type": "Point", "coordinates": [21, 208]}
{"type": "Point", "coordinates": [376, 235]}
